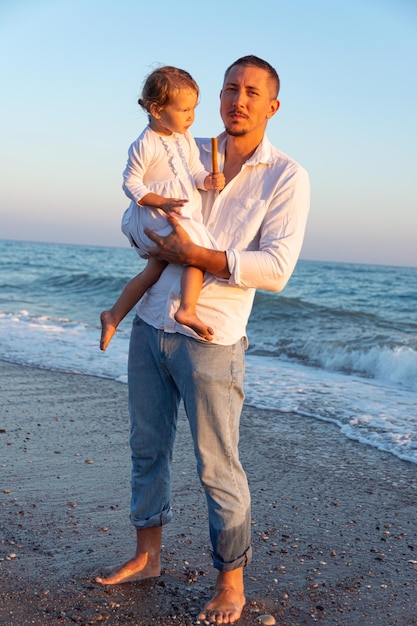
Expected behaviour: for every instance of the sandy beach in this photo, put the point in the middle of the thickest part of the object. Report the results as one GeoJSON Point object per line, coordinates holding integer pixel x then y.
{"type": "Point", "coordinates": [334, 521]}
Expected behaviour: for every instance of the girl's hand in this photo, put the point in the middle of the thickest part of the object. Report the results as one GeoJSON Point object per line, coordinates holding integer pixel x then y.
{"type": "Point", "coordinates": [215, 181]}
{"type": "Point", "coordinates": [172, 205]}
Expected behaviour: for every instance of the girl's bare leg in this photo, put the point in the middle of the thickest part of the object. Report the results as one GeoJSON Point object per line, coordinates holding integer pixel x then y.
{"type": "Point", "coordinates": [130, 295]}
{"type": "Point", "coordinates": [191, 282]}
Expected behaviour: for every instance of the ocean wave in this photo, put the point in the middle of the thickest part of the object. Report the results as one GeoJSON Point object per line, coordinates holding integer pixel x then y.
{"type": "Point", "coordinates": [341, 340]}
{"type": "Point", "coordinates": [394, 365]}
{"type": "Point", "coordinates": [82, 283]}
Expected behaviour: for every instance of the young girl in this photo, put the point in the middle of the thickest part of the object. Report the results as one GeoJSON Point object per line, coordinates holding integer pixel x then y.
{"type": "Point", "coordinates": [163, 175]}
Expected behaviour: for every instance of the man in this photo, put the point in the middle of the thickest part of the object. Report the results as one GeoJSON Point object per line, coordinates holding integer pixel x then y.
{"type": "Point", "coordinates": [258, 221]}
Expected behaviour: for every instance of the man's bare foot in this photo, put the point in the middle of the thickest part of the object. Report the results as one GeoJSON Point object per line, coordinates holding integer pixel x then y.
{"type": "Point", "coordinates": [191, 320]}
{"type": "Point", "coordinates": [227, 604]}
{"type": "Point", "coordinates": [108, 328]}
{"type": "Point", "coordinates": [138, 568]}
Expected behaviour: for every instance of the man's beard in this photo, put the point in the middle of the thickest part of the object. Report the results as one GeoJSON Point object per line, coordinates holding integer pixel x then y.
{"type": "Point", "coordinates": [235, 133]}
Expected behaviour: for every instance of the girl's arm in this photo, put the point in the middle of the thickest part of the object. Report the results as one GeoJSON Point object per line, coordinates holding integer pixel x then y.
{"type": "Point", "coordinates": [168, 205]}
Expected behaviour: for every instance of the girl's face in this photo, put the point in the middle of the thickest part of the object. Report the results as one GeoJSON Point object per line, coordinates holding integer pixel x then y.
{"type": "Point", "coordinates": [177, 116]}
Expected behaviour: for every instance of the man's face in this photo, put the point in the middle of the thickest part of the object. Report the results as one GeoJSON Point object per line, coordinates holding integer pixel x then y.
{"type": "Point", "coordinates": [246, 102]}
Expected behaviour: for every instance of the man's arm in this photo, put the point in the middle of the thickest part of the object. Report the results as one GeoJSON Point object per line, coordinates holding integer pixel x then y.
{"type": "Point", "coordinates": [281, 236]}
{"type": "Point", "coordinates": [280, 240]}
{"type": "Point", "coordinates": [178, 248]}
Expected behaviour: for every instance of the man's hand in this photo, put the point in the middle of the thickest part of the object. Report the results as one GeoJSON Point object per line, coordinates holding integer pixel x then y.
{"type": "Point", "coordinates": [178, 248]}
{"type": "Point", "coordinates": [174, 248]}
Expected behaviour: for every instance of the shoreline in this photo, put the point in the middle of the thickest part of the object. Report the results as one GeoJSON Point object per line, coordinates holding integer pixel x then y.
{"type": "Point", "coordinates": [334, 521]}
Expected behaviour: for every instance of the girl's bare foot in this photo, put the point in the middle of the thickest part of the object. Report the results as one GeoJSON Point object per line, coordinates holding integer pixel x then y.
{"type": "Point", "coordinates": [190, 319]}
{"type": "Point", "coordinates": [138, 568]}
{"type": "Point", "coordinates": [108, 328]}
{"type": "Point", "coordinates": [228, 601]}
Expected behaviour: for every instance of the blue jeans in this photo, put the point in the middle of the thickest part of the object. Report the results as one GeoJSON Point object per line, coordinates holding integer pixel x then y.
{"type": "Point", "coordinates": [163, 368]}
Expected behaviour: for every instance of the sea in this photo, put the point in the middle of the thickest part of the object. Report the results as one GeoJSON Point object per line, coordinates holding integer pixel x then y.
{"type": "Point", "coordinates": [339, 344]}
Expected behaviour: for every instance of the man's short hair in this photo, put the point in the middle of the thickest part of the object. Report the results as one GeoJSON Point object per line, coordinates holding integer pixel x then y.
{"type": "Point", "coordinates": [251, 59]}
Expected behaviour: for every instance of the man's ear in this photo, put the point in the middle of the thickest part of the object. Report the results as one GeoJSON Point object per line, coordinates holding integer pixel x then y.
{"type": "Point", "coordinates": [273, 108]}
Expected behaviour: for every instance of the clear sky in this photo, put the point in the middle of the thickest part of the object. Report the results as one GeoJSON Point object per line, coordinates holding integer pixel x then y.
{"type": "Point", "coordinates": [71, 72]}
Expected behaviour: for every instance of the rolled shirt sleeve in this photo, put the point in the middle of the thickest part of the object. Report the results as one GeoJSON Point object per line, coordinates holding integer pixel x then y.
{"type": "Point", "coordinates": [280, 238]}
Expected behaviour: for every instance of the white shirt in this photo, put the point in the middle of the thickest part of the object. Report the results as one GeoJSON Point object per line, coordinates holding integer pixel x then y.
{"type": "Point", "coordinates": [259, 219]}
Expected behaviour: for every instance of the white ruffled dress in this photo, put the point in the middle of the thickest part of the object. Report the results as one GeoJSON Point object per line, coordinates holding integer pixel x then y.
{"type": "Point", "coordinates": [168, 166]}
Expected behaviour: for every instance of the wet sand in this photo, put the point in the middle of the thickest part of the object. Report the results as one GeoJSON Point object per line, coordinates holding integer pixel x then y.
{"type": "Point", "coordinates": [334, 521]}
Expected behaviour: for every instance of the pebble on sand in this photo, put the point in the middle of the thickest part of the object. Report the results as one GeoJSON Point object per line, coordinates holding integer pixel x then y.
{"type": "Point", "coordinates": [267, 620]}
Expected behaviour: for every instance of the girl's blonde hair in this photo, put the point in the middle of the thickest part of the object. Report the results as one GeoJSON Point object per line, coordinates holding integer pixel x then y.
{"type": "Point", "coordinates": [161, 84]}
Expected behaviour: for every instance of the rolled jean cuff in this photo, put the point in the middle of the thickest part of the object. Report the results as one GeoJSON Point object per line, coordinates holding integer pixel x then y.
{"type": "Point", "coordinates": [241, 561]}
{"type": "Point", "coordinates": [155, 520]}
